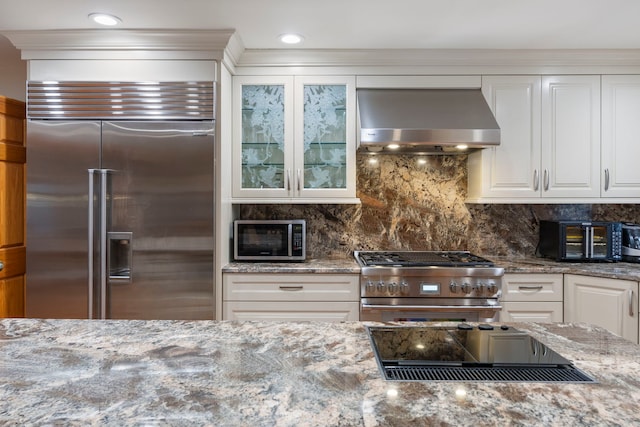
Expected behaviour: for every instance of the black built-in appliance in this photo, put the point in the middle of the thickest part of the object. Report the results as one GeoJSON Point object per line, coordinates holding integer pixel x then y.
{"type": "Point", "coordinates": [631, 242]}
{"type": "Point", "coordinates": [580, 240]}
{"type": "Point", "coordinates": [269, 240]}
{"type": "Point", "coordinates": [464, 352]}
{"type": "Point", "coordinates": [428, 285]}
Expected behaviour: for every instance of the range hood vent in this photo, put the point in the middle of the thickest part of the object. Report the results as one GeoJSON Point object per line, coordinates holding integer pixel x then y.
{"type": "Point", "coordinates": [425, 121]}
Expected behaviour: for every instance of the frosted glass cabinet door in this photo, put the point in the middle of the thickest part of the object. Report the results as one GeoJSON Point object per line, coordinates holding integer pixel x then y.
{"type": "Point", "coordinates": [263, 135]}
{"type": "Point", "coordinates": [325, 136]}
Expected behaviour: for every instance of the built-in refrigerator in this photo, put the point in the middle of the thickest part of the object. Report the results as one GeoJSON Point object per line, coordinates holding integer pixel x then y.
{"type": "Point", "coordinates": [120, 208]}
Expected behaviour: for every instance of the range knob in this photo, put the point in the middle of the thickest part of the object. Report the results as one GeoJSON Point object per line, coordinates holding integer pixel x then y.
{"type": "Point", "coordinates": [481, 288]}
{"type": "Point", "coordinates": [492, 288]}
{"type": "Point", "coordinates": [381, 286]}
{"type": "Point", "coordinates": [404, 287]}
{"type": "Point", "coordinates": [466, 288]}
{"type": "Point", "coordinates": [369, 286]}
{"type": "Point", "coordinates": [393, 287]}
{"type": "Point", "coordinates": [454, 287]}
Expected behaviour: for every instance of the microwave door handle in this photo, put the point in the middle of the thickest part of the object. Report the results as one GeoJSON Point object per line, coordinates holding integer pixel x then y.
{"type": "Point", "coordinates": [290, 239]}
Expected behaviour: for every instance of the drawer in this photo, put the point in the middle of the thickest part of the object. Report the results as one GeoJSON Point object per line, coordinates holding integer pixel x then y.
{"type": "Point", "coordinates": [532, 287]}
{"type": "Point", "coordinates": [290, 287]}
{"type": "Point", "coordinates": [291, 311]}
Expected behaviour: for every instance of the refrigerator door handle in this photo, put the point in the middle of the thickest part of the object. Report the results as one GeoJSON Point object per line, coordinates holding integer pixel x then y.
{"type": "Point", "coordinates": [97, 292]}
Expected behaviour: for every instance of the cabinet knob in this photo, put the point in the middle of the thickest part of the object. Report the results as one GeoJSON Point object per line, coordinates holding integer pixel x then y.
{"type": "Point", "coordinates": [1, 265]}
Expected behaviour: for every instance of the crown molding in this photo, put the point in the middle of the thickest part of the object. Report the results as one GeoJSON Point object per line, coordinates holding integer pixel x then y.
{"type": "Point", "coordinates": [119, 44]}
{"type": "Point", "coordinates": [439, 58]}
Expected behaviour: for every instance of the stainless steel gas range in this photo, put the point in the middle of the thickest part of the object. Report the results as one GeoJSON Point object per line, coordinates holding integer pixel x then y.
{"type": "Point", "coordinates": [428, 285]}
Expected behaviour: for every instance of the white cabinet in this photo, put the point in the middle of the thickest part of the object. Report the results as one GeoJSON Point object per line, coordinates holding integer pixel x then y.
{"type": "Point", "coordinates": [512, 169]}
{"type": "Point", "coordinates": [294, 139]}
{"type": "Point", "coordinates": [609, 303]}
{"type": "Point", "coordinates": [570, 136]}
{"type": "Point", "coordinates": [620, 137]}
{"type": "Point", "coordinates": [298, 297]}
{"type": "Point", "coordinates": [532, 298]}
{"type": "Point", "coordinates": [550, 141]}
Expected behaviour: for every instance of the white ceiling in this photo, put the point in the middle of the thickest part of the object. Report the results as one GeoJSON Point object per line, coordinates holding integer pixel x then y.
{"type": "Point", "coordinates": [361, 24]}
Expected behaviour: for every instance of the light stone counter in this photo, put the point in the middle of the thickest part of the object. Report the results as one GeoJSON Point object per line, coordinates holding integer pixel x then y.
{"type": "Point", "coordinates": [348, 265]}
{"type": "Point", "coordinates": [334, 265]}
{"type": "Point", "coordinates": [611, 270]}
{"type": "Point", "coordinates": [206, 373]}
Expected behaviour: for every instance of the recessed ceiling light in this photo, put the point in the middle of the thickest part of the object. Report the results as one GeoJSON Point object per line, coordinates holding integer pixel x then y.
{"type": "Point", "coordinates": [291, 38]}
{"type": "Point", "coordinates": [105, 19]}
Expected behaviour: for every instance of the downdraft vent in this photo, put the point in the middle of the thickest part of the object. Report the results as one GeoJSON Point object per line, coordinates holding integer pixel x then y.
{"type": "Point", "coordinates": [492, 374]}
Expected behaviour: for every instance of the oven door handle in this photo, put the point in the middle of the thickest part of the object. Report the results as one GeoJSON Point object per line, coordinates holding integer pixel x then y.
{"type": "Point", "coordinates": [371, 307]}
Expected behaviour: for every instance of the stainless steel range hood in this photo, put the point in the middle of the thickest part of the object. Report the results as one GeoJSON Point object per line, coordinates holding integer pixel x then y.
{"type": "Point", "coordinates": [425, 121]}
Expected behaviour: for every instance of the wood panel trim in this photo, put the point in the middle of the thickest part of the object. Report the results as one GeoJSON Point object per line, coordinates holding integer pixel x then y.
{"type": "Point", "coordinates": [14, 260]}
{"type": "Point", "coordinates": [12, 107]}
{"type": "Point", "coordinates": [13, 153]}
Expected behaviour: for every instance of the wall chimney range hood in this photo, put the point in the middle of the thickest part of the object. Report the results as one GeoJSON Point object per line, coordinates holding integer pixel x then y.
{"type": "Point", "coordinates": [425, 121]}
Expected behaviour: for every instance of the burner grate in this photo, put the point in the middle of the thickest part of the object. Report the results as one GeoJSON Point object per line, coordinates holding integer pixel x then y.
{"type": "Point", "coordinates": [565, 374]}
{"type": "Point", "coordinates": [424, 259]}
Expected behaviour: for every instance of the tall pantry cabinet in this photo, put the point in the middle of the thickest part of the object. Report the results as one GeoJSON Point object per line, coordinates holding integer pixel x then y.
{"type": "Point", "coordinates": [12, 208]}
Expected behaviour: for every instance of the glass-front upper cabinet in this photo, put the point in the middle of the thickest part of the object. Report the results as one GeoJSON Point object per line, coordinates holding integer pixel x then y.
{"type": "Point", "coordinates": [294, 139]}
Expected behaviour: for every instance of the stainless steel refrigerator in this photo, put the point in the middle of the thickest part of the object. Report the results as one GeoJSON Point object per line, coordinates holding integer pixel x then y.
{"type": "Point", "coordinates": [119, 217]}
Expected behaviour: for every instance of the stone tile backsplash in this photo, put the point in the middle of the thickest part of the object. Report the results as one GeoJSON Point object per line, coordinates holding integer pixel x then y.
{"type": "Point", "coordinates": [412, 203]}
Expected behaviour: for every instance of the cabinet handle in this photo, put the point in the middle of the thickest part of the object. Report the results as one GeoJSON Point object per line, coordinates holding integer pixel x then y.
{"type": "Point", "coordinates": [1, 265]}
{"type": "Point", "coordinates": [288, 179]}
{"type": "Point", "coordinates": [630, 293]}
{"type": "Point", "coordinates": [606, 179]}
{"type": "Point", "coordinates": [291, 288]}
{"type": "Point", "coordinates": [530, 288]}
{"type": "Point", "coordinates": [546, 180]}
{"type": "Point", "coordinates": [299, 179]}
{"type": "Point", "coordinates": [536, 180]}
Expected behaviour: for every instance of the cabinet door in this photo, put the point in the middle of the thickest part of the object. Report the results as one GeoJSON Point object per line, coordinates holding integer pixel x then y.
{"type": "Point", "coordinates": [291, 311]}
{"type": "Point", "coordinates": [620, 138]}
{"type": "Point", "coordinates": [541, 312]}
{"type": "Point", "coordinates": [609, 303]}
{"type": "Point", "coordinates": [262, 137]}
{"type": "Point", "coordinates": [325, 137]}
{"type": "Point", "coordinates": [511, 170]}
{"type": "Point", "coordinates": [12, 208]}
{"type": "Point", "coordinates": [571, 136]}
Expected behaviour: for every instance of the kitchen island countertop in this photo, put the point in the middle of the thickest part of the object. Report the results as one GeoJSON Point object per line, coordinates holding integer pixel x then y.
{"type": "Point", "coordinates": [83, 372]}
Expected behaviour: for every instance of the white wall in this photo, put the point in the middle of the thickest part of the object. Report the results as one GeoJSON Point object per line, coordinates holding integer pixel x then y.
{"type": "Point", "coordinates": [13, 71]}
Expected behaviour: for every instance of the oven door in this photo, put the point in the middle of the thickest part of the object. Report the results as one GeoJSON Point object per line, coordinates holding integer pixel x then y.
{"type": "Point", "coordinates": [427, 310]}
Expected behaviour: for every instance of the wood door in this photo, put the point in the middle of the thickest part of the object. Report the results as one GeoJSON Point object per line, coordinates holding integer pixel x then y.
{"type": "Point", "coordinates": [12, 208]}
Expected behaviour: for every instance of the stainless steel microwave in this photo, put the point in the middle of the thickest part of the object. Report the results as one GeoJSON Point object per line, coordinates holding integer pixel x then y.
{"type": "Point", "coordinates": [269, 240]}
{"type": "Point", "coordinates": [580, 240]}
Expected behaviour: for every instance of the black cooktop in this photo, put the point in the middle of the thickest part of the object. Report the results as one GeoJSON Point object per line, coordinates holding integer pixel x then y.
{"type": "Point", "coordinates": [421, 259]}
{"type": "Point", "coordinates": [468, 353]}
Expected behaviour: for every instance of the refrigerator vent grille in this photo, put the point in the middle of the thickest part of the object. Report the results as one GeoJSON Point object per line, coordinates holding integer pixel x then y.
{"type": "Point", "coordinates": [121, 100]}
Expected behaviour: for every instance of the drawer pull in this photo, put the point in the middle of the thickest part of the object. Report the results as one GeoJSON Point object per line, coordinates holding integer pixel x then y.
{"type": "Point", "coordinates": [630, 302]}
{"type": "Point", "coordinates": [291, 288]}
{"type": "Point", "coordinates": [530, 288]}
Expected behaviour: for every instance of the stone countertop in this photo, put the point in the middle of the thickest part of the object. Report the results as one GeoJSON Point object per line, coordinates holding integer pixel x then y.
{"type": "Point", "coordinates": [338, 265]}
{"type": "Point", "coordinates": [195, 373]}
{"type": "Point", "coordinates": [611, 270]}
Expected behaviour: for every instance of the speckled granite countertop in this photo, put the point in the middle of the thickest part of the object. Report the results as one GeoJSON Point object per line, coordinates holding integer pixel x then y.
{"type": "Point", "coordinates": [81, 372]}
{"type": "Point", "coordinates": [338, 265]}
{"type": "Point", "coordinates": [613, 270]}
